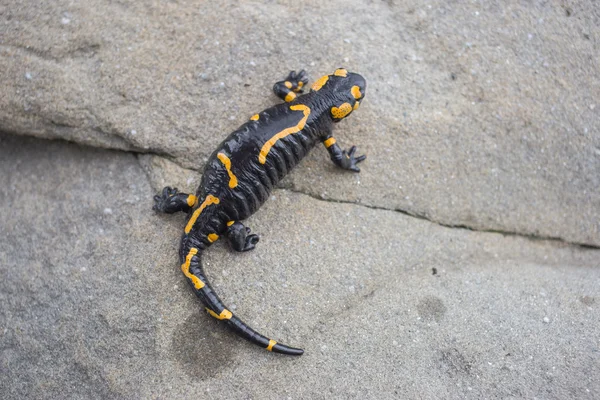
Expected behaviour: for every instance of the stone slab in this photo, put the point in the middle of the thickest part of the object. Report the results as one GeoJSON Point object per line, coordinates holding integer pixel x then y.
{"type": "Point", "coordinates": [385, 305]}
{"type": "Point", "coordinates": [477, 114]}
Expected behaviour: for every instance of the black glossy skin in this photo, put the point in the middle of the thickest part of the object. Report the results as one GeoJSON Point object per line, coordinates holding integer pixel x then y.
{"type": "Point", "coordinates": [256, 179]}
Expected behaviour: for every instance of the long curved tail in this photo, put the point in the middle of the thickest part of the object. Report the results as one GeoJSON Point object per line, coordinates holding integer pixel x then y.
{"type": "Point", "coordinates": [192, 269]}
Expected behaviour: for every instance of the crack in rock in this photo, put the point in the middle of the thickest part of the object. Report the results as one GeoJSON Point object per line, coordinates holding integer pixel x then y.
{"type": "Point", "coordinates": [285, 186]}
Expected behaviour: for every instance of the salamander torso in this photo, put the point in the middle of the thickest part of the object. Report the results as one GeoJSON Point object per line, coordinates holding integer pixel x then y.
{"type": "Point", "coordinates": [241, 173]}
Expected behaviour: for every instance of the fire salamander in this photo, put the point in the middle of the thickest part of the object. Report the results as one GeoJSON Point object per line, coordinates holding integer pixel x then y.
{"type": "Point", "coordinates": [242, 171]}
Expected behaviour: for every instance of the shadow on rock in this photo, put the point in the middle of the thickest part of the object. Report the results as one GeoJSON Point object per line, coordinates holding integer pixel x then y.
{"type": "Point", "coordinates": [203, 346]}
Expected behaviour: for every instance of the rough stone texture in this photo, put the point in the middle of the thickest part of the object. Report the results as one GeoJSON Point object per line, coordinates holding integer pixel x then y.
{"type": "Point", "coordinates": [477, 114]}
{"type": "Point", "coordinates": [385, 305]}
{"type": "Point", "coordinates": [162, 172]}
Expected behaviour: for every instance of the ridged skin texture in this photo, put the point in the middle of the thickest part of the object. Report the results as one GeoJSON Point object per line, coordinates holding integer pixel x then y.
{"type": "Point", "coordinates": [242, 171]}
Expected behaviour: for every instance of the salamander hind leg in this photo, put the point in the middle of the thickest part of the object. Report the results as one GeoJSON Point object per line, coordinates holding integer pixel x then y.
{"type": "Point", "coordinates": [293, 84]}
{"type": "Point", "coordinates": [239, 236]}
{"type": "Point", "coordinates": [170, 201]}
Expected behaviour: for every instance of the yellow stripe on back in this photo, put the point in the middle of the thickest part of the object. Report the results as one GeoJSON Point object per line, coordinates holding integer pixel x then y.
{"type": "Point", "coordinates": [262, 157]}
{"type": "Point", "coordinates": [210, 199]}
{"type": "Point", "coordinates": [185, 268]}
{"type": "Point", "coordinates": [233, 182]}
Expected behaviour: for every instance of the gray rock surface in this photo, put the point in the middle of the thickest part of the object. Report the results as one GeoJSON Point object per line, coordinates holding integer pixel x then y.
{"type": "Point", "coordinates": [386, 305]}
{"type": "Point", "coordinates": [477, 115]}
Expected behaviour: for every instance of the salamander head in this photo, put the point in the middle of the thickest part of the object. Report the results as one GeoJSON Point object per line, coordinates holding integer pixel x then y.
{"type": "Point", "coordinates": [346, 89]}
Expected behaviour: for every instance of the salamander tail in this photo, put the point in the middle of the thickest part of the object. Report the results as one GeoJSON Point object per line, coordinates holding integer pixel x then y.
{"type": "Point", "coordinates": [192, 268]}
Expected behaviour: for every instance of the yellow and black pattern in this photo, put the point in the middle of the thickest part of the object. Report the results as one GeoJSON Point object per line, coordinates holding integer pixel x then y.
{"type": "Point", "coordinates": [240, 174]}
{"type": "Point", "coordinates": [288, 88]}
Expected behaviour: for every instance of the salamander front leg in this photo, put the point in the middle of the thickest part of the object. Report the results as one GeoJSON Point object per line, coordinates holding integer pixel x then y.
{"type": "Point", "coordinates": [171, 201]}
{"type": "Point", "coordinates": [293, 84]}
{"type": "Point", "coordinates": [341, 158]}
{"type": "Point", "coordinates": [239, 236]}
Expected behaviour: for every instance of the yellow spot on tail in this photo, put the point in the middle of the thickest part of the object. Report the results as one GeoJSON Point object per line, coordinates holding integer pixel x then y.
{"type": "Point", "coordinates": [341, 112]}
{"type": "Point", "coordinates": [356, 92]}
{"type": "Point", "coordinates": [255, 117]}
{"type": "Point", "coordinates": [320, 82]}
{"type": "Point", "coordinates": [229, 223]}
{"type": "Point", "coordinates": [185, 268]}
{"type": "Point", "coordinates": [191, 200]}
{"type": "Point", "coordinates": [290, 97]}
{"type": "Point", "coordinates": [233, 182]}
{"type": "Point", "coordinates": [288, 84]}
{"type": "Point", "coordinates": [356, 105]}
{"type": "Point", "coordinates": [212, 237]}
{"type": "Point", "coordinates": [262, 157]}
{"type": "Point", "coordinates": [341, 72]}
{"type": "Point", "coordinates": [329, 142]}
{"type": "Point", "coordinates": [225, 314]}
{"type": "Point", "coordinates": [271, 344]}
{"type": "Point", "coordinates": [210, 199]}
